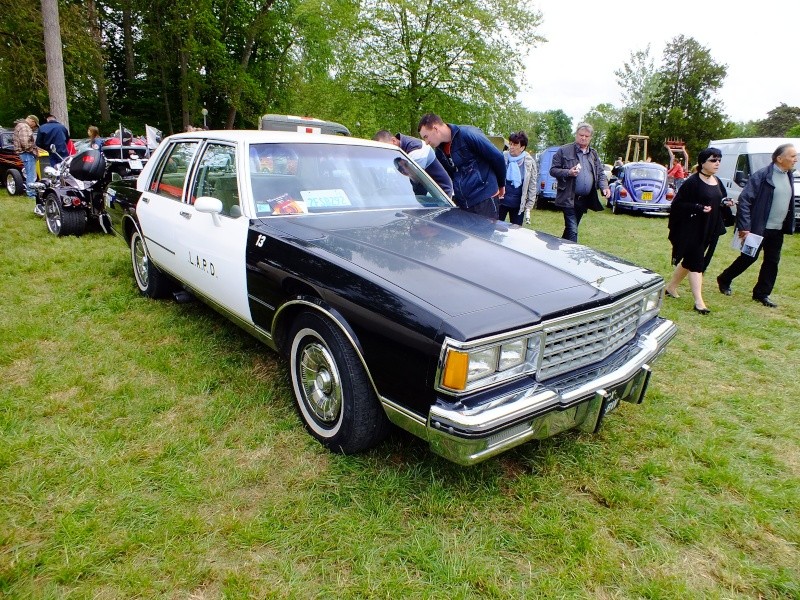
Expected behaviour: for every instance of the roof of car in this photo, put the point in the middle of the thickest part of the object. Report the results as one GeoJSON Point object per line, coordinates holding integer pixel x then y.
{"type": "Point", "coordinates": [253, 136]}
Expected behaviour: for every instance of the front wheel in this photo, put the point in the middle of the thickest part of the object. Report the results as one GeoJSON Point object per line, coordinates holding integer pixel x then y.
{"type": "Point", "coordinates": [14, 182]}
{"type": "Point", "coordinates": [150, 281]}
{"type": "Point", "coordinates": [62, 222]}
{"type": "Point", "coordinates": [334, 395]}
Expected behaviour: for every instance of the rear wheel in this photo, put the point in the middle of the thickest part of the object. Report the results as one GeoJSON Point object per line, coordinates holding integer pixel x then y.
{"type": "Point", "coordinates": [150, 281]}
{"type": "Point", "coordinates": [61, 222]}
{"type": "Point", "coordinates": [14, 182]}
{"type": "Point", "coordinates": [334, 395]}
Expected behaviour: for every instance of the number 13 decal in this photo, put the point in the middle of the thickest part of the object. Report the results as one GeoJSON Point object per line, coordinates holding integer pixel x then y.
{"type": "Point", "coordinates": [260, 240]}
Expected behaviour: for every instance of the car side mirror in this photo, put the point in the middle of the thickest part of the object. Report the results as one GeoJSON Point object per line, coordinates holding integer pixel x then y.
{"type": "Point", "coordinates": [212, 206]}
{"type": "Point", "coordinates": [740, 178]}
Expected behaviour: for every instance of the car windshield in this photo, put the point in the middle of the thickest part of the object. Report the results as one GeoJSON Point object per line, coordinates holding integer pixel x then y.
{"type": "Point", "coordinates": [647, 173]}
{"type": "Point", "coordinates": [313, 178]}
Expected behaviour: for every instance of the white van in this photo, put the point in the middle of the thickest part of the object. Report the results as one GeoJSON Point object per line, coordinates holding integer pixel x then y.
{"type": "Point", "coordinates": [743, 156]}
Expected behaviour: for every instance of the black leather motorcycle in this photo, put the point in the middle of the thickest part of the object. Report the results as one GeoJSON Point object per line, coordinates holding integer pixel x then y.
{"type": "Point", "coordinates": [72, 193]}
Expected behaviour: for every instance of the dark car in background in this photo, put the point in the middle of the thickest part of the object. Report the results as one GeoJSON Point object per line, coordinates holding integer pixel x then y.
{"type": "Point", "coordinates": [11, 168]}
{"type": "Point", "coordinates": [641, 188]}
{"type": "Point", "coordinates": [10, 164]}
{"type": "Point", "coordinates": [391, 305]}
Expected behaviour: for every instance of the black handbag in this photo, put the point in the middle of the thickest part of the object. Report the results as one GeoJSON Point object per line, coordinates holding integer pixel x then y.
{"type": "Point", "coordinates": [728, 218]}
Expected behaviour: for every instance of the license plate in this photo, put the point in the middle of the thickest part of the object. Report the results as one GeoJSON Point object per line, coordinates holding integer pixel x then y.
{"type": "Point", "coordinates": [136, 164]}
{"type": "Point", "coordinates": [607, 400]}
{"type": "Point", "coordinates": [647, 196]}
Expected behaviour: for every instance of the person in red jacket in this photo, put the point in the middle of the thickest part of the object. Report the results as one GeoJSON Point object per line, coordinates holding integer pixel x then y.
{"type": "Point", "coordinates": [677, 173]}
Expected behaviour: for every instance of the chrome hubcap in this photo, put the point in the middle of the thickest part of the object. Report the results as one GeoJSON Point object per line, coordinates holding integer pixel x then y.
{"type": "Point", "coordinates": [321, 383]}
{"type": "Point", "coordinates": [140, 262]}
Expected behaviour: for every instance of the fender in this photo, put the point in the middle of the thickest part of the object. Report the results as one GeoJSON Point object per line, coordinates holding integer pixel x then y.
{"type": "Point", "coordinates": [285, 315]}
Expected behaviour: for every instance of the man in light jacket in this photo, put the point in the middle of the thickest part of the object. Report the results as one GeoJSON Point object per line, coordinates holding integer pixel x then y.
{"type": "Point", "coordinates": [25, 146]}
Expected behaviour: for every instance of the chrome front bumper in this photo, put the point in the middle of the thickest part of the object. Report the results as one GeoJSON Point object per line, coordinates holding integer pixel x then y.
{"type": "Point", "coordinates": [468, 435]}
{"type": "Point", "coordinates": [643, 207]}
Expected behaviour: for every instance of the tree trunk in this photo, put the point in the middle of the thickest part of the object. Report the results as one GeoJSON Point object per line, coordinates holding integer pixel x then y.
{"type": "Point", "coordinates": [99, 78]}
{"type": "Point", "coordinates": [236, 93]}
{"type": "Point", "coordinates": [127, 36]}
{"type": "Point", "coordinates": [185, 117]}
{"type": "Point", "coordinates": [56, 86]}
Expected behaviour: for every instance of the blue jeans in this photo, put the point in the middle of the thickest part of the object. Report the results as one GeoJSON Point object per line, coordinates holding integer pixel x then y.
{"type": "Point", "coordinates": [572, 218]}
{"type": "Point", "coordinates": [513, 214]}
{"type": "Point", "coordinates": [487, 208]}
{"type": "Point", "coordinates": [29, 162]}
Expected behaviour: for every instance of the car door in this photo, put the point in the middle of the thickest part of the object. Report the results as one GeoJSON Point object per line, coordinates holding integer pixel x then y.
{"type": "Point", "coordinates": [162, 206]}
{"type": "Point", "coordinates": [213, 260]}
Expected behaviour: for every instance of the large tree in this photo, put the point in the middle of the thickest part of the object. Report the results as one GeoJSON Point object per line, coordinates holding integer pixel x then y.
{"type": "Point", "coordinates": [639, 82]}
{"type": "Point", "coordinates": [680, 101]}
{"type": "Point", "coordinates": [415, 56]}
{"type": "Point", "coordinates": [779, 121]}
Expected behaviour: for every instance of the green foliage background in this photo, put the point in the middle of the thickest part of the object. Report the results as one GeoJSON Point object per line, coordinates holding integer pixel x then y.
{"type": "Point", "coordinates": [370, 64]}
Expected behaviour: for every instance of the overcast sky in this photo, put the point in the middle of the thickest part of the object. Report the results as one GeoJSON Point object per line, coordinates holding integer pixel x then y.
{"type": "Point", "coordinates": [589, 40]}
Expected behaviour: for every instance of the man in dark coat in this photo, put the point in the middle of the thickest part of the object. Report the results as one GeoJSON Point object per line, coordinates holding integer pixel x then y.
{"type": "Point", "coordinates": [55, 134]}
{"type": "Point", "coordinates": [766, 208]}
{"type": "Point", "coordinates": [423, 155]}
{"type": "Point", "coordinates": [579, 173]}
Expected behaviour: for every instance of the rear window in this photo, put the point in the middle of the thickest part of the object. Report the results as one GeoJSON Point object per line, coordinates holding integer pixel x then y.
{"type": "Point", "coordinates": [647, 173]}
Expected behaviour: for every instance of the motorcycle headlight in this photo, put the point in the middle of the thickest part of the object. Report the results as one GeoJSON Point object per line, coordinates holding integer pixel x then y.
{"type": "Point", "coordinates": [465, 369]}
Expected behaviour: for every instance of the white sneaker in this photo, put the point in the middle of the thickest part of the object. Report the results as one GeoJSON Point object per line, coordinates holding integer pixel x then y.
{"type": "Point", "coordinates": [38, 210]}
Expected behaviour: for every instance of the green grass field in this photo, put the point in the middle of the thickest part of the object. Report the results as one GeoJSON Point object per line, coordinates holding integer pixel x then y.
{"type": "Point", "coordinates": [151, 450]}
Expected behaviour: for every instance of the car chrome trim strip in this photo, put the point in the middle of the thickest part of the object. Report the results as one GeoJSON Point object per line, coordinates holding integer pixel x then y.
{"type": "Point", "coordinates": [261, 302]}
{"type": "Point", "coordinates": [470, 434]}
{"type": "Point", "coordinates": [251, 328]}
{"type": "Point", "coordinates": [335, 319]}
{"type": "Point", "coordinates": [405, 419]}
{"type": "Point", "coordinates": [149, 239]}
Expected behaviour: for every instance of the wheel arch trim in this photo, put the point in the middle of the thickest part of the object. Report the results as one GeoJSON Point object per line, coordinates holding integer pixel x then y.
{"type": "Point", "coordinates": [332, 314]}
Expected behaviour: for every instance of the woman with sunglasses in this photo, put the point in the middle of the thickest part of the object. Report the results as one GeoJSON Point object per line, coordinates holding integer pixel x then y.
{"type": "Point", "coordinates": [695, 225]}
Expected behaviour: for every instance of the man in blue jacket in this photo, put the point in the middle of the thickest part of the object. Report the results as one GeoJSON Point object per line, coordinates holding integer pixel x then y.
{"type": "Point", "coordinates": [476, 166]}
{"type": "Point", "coordinates": [766, 208]}
{"type": "Point", "coordinates": [53, 133]}
{"type": "Point", "coordinates": [423, 155]}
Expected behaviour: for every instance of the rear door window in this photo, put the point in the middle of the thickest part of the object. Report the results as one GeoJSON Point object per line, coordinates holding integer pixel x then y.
{"type": "Point", "coordinates": [171, 180]}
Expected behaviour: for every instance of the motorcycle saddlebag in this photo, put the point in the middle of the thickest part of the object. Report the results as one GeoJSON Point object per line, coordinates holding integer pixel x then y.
{"type": "Point", "coordinates": [88, 165]}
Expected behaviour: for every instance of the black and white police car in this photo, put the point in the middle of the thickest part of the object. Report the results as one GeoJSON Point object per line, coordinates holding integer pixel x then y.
{"type": "Point", "coordinates": [391, 304]}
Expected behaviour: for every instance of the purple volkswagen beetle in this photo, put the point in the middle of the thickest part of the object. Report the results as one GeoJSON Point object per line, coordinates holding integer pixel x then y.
{"type": "Point", "coordinates": [641, 187]}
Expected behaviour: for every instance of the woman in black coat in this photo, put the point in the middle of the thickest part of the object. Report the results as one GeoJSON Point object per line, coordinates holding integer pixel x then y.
{"type": "Point", "coordinates": [695, 225]}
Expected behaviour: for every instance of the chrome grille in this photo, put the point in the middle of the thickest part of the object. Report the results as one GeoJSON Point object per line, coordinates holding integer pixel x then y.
{"type": "Point", "coordinates": [579, 342]}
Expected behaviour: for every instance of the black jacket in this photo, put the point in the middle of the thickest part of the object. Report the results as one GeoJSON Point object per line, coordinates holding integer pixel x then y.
{"type": "Point", "coordinates": [564, 159]}
{"type": "Point", "coordinates": [755, 202]}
